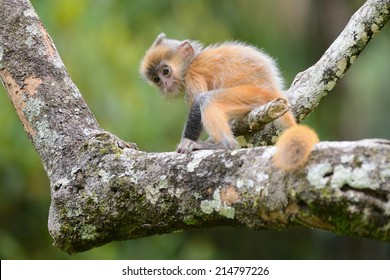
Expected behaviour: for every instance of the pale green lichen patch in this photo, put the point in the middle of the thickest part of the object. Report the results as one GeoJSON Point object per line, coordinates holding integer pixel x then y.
{"type": "Point", "coordinates": [29, 13]}
{"type": "Point", "coordinates": [317, 174]}
{"type": "Point", "coordinates": [216, 204]}
{"type": "Point", "coordinates": [72, 211]}
{"type": "Point", "coordinates": [92, 195]}
{"type": "Point", "coordinates": [341, 67]}
{"type": "Point", "coordinates": [262, 179]}
{"type": "Point", "coordinates": [104, 175]}
{"type": "Point", "coordinates": [356, 178]}
{"type": "Point", "coordinates": [245, 183]}
{"type": "Point", "coordinates": [384, 174]}
{"type": "Point", "coordinates": [227, 212]}
{"type": "Point", "coordinates": [45, 133]}
{"type": "Point", "coordinates": [254, 179]}
{"type": "Point", "coordinates": [88, 232]}
{"type": "Point", "coordinates": [63, 182]}
{"type": "Point", "coordinates": [197, 159]}
{"type": "Point", "coordinates": [352, 59]}
{"type": "Point", "coordinates": [330, 85]}
{"type": "Point", "coordinates": [163, 183]}
{"type": "Point", "coordinates": [364, 37]}
{"type": "Point", "coordinates": [33, 108]}
{"type": "Point", "coordinates": [208, 206]}
{"type": "Point", "coordinates": [179, 192]}
{"type": "Point", "coordinates": [374, 28]}
{"type": "Point", "coordinates": [347, 158]}
{"type": "Point", "coordinates": [152, 194]}
{"type": "Point", "coordinates": [33, 29]}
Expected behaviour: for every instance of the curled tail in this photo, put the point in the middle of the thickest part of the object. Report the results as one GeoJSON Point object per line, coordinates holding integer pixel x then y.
{"type": "Point", "coordinates": [293, 147]}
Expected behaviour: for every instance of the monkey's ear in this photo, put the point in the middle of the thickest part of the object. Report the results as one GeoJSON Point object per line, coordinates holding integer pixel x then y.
{"type": "Point", "coordinates": [159, 39]}
{"type": "Point", "coordinates": [185, 49]}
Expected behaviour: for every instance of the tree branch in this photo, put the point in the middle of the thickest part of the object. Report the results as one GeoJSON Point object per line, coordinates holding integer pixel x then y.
{"type": "Point", "coordinates": [103, 190]}
{"type": "Point", "coordinates": [259, 117]}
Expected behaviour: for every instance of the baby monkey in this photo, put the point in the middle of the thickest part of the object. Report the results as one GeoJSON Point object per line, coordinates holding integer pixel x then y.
{"type": "Point", "coordinates": [223, 82]}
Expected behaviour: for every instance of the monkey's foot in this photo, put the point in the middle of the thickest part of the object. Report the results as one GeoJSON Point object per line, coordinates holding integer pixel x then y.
{"type": "Point", "coordinates": [187, 145]}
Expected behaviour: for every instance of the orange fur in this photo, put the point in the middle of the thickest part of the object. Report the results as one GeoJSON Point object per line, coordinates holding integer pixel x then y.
{"type": "Point", "coordinates": [231, 79]}
{"type": "Point", "coordinates": [232, 103]}
{"type": "Point", "coordinates": [294, 147]}
{"type": "Point", "coordinates": [231, 65]}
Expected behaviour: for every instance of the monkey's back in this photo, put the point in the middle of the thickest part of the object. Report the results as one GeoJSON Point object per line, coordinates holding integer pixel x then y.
{"type": "Point", "coordinates": [231, 64]}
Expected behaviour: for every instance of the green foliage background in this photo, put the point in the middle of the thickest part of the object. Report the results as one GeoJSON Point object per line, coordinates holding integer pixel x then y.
{"type": "Point", "coordinates": [101, 42]}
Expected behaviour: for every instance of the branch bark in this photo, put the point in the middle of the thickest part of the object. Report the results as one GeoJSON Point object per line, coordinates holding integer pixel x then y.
{"type": "Point", "coordinates": [259, 117]}
{"type": "Point", "coordinates": [103, 189]}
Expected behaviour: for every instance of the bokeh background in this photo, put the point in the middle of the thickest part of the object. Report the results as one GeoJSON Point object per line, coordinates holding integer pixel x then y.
{"type": "Point", "coordinates": [101, 43]}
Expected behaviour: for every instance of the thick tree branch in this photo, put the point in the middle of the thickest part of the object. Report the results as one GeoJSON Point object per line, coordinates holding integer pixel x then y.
{"type": "Point", "coordinates": [125, 194]}
{"type": "Point", "coordinates": [103, 190]}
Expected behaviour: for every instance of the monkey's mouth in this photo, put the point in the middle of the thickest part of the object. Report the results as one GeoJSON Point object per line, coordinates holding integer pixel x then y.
{"type": "Point", "coordinates": [171, 88]}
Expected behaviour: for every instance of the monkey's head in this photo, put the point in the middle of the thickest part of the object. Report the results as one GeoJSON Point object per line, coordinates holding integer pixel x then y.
{"type": "Point", "coordinates": [165, 63]}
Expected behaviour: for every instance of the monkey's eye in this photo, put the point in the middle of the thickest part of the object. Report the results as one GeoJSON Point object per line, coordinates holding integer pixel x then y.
{"type": "Point", "coordinates": [156, 80]}
{"type": "Point", "coordinates": [166, 71]}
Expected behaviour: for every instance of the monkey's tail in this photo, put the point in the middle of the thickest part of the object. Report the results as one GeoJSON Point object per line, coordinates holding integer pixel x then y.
{"type": "Point", "coordinates": [294, 147]}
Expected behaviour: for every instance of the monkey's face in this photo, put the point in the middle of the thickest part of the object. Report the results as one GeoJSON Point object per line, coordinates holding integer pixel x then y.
{"type": "Point", "coordinates": [163, 76]}
{"type": "Point", "coordinates": [165, 63]}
